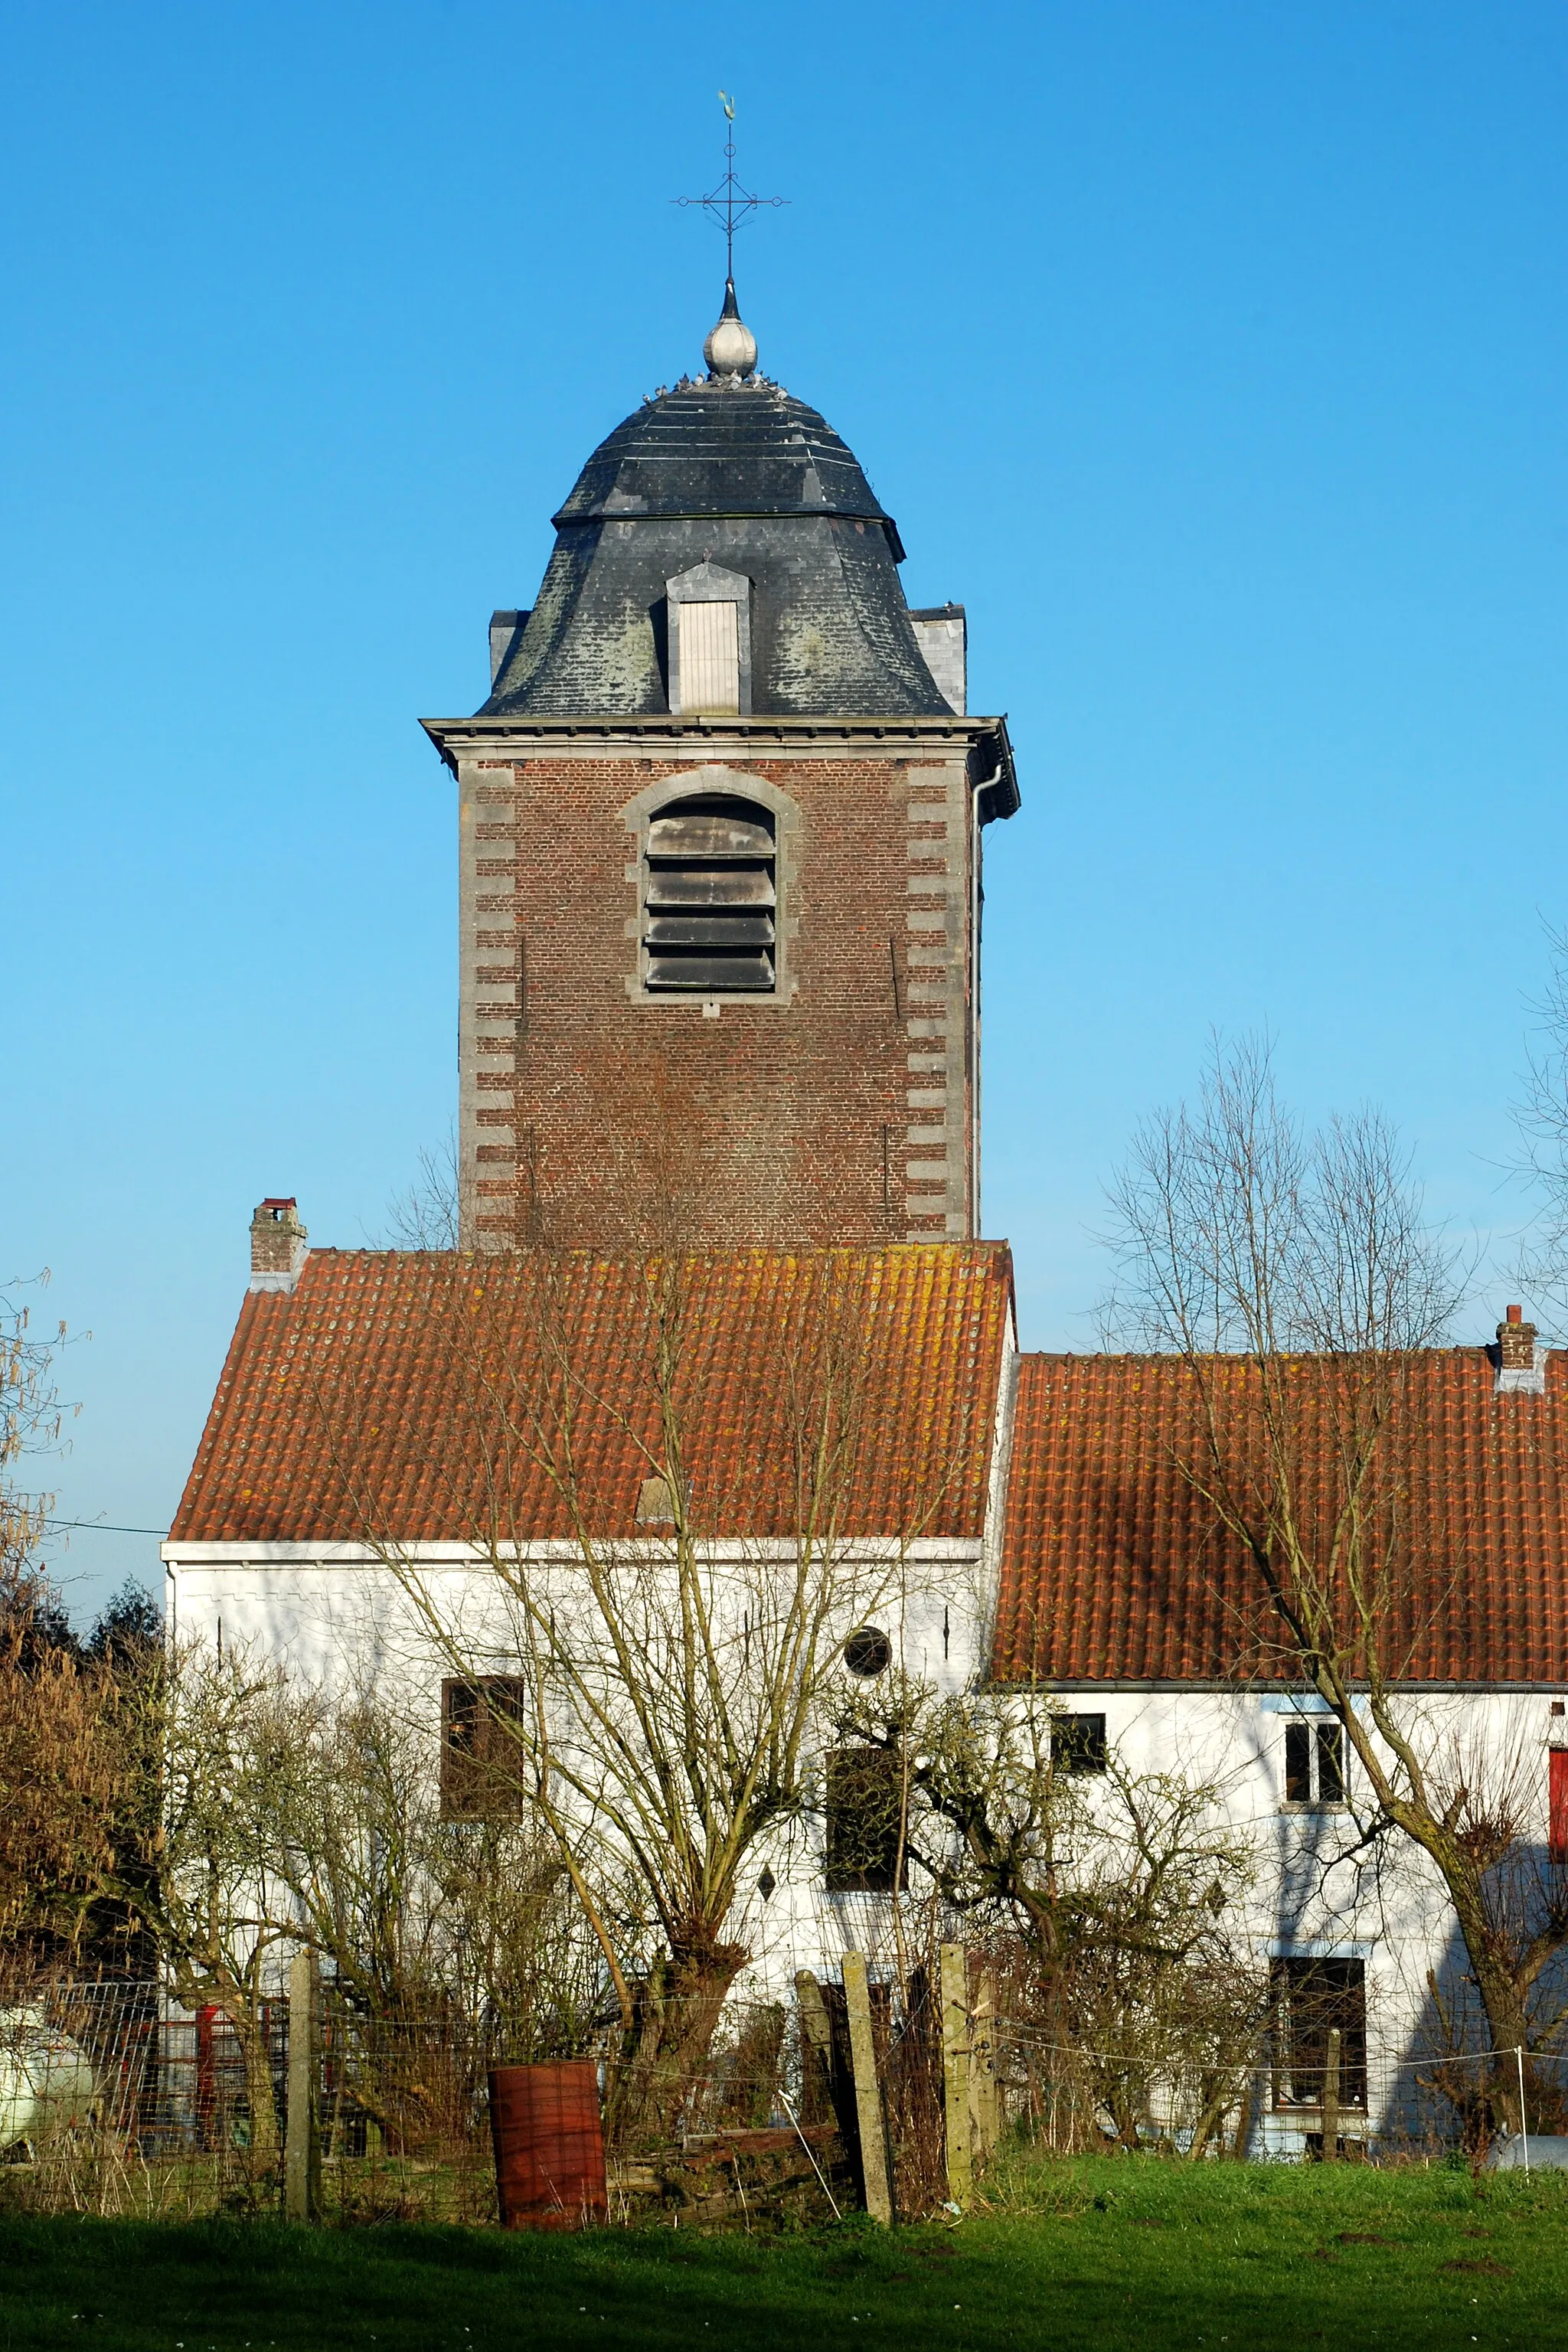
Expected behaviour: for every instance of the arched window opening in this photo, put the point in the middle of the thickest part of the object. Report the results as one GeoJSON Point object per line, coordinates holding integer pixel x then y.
{"type": "Point", "coordinates": [709, 898]}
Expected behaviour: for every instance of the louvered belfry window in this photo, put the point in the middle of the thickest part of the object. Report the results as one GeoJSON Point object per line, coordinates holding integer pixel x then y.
{"type": "Point", "coordinates": [709, 899]}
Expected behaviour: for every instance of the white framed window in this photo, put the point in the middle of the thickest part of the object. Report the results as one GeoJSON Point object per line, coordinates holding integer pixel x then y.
{"type": "Point", "coordinates": [1310, 1997]}
{"type": "Point", "coordinates": [1312, 1765]}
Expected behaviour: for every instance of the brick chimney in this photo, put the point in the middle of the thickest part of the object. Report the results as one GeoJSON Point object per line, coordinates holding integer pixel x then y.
{"type": "Point", "coordinates": [278, 1246]}
{"type": "Point", "coordinates": [1521, 1361]}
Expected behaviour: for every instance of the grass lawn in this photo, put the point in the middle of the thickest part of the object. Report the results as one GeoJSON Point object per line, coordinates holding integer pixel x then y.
{"type": "Point", "coordinates": [1099, 2254]}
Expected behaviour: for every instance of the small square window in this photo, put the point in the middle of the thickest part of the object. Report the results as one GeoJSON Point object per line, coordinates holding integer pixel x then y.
{"type": "Point", "coordinates": [481, 1763]}
{"type": "Point", "coordinates": [1314, 1762]}
{"type": "Point", "coordinates": [655, 1502]}
{"type": "Point", "coordinates": [1078, 1743]}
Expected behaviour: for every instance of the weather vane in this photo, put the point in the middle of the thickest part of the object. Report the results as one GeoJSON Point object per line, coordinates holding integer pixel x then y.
{"type": "Point", "coordinates": [729, 203]}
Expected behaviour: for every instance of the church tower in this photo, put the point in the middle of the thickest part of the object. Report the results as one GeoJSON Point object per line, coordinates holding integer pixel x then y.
{"type": "Point", "coordinates": [721, 825]}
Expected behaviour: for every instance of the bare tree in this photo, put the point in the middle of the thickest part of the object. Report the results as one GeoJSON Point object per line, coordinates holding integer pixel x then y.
{"type": "Point", "coordinates": [1541, 1115]}
{"type": "Point", "coordinates": [1293, 1279]}
{"type": "Point", "coordinates": [32, 1420]}
{"type": "Point", "coordinates": [1119, 1891]}
{"type": "Point", "coordinates": [284, 1816]}
{"type": "Point", "coordinates": [67, 1787]}
{"type": "Point", "coordinates": [207, 1882]}
{"type": "Point", "coordinates": [60, 1766]}
{"type": "Point", "coordinates": [418, 1915]}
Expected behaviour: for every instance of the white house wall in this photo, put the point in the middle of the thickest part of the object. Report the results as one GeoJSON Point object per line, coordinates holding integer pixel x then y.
{"type": "Point", "coordinates": [347, 1618]}
{"type": "Point", "coordinates": [344, 1618]}
{"type": "Point", "coordinates": [1320, 1888]}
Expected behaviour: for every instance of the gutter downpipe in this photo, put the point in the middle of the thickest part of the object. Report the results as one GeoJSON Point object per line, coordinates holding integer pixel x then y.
{"type": "Point", "coordinates": [976, 900]}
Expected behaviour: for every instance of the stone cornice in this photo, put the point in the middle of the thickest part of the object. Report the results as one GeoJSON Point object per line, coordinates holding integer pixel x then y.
{"type": "Point", "coordinates": [984, 740]}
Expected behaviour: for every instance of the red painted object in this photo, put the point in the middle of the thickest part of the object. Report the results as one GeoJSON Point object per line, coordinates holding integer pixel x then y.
{"type": "Point", "coordinates": [207, 2075]}
{"type": "Point", "coordinates": [1557, 1831]}
{"type": "Point", "coordinates": [550, 2145]}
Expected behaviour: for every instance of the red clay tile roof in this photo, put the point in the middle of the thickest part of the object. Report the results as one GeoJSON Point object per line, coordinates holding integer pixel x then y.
{"type": "Point", "coordinates": [1115, 1569]}
{"type": "Point", "coordinates": [424, 1396]}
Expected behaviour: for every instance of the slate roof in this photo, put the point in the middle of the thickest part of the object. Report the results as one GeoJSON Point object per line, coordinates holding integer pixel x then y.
{"type": "Point", "coordinates": [712, 449]}
{"type": "Point", "coordinates": [1115, 1569]}
{"type": "Point", "coordinates": [431, 1396]}
{"type": "Point", "coordinates": [744, 476]}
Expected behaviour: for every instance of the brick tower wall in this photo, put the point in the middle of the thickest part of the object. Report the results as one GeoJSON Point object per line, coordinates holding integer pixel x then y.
{"type": "Point", "coordinates": [843, 1109]}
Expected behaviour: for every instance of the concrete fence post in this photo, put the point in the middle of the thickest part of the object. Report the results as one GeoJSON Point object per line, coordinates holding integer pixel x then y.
{"type": "Point", "coordinates": [955, 2035]}
{"type": "Point", "coordinates": [1331, 2097]}
{"type": "Point", "coordinates": [868, 2090]}
{"type": "Point", "coordinates": [302, 2146]}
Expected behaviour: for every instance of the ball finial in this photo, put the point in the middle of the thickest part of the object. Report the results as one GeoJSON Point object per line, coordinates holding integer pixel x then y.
{"type": "Point", "coordinates": [731, 349]}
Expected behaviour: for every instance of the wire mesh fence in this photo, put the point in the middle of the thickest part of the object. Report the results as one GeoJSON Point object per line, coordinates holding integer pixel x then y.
{"type": "Point", "coordinates": [115, 2099]}
{"type": "Point", "coordinates": [1280, 2101]}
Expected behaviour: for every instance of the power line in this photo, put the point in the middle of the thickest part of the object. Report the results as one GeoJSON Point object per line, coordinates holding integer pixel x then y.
{"type": "Point", "coordinates": [106, 1526]}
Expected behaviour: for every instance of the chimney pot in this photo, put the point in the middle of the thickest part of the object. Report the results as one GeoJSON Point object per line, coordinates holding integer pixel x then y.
{"type": "Point", "coordinates": [1516, 1314]}
{"type": "Point", "coordinates": [278, 1246]}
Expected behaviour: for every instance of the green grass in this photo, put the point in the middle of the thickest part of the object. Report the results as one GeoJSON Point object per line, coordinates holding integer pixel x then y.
{"type": "Point", "coordinates": [1099, 2254]}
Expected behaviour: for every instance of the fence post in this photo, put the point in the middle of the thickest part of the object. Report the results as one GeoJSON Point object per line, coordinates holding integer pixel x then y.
{"type": "Point", "coordinates": [1332, 2098]}
{"type": "Point", "coordinates": [982, 2068]}
{"type": "Point", "coordinates": [868, 2090]}
{"type": "Point", "coordinates": [301, 2146]}
{"type": "Point", "coordinates": [817, 2032]}
{"type": "Point", "coordinates": [956, 2070]}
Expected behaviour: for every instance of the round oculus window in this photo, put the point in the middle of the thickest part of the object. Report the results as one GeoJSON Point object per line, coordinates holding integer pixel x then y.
{"type": "Point", "coordinates": [867, 1652]}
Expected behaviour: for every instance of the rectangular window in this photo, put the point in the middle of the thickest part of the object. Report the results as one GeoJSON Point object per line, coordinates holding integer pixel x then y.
{"type": "Point", "coordinates": [864, 1805]}
{"type": "Point", "coordinates": [1309, 1998]}
{"type": "Point", "coordinates": [1297, 1763]}
{"type": "Point", "coordinates": [1314, 1762]}
{"type": "Point", "coordinates": [480, 1761]}
{"type": "Point", "coordinates": [710, 657]}
{"type": "Point", "coordinates": [1329, 1751]}
{"type": "Point", "coordinates": [1078, 1743]}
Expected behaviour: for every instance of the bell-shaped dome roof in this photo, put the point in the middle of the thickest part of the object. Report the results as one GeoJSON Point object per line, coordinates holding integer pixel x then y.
{"type": "Point", "coordinates": [737, 473]}
{"type": "Point", "coordinates": [726, 448]}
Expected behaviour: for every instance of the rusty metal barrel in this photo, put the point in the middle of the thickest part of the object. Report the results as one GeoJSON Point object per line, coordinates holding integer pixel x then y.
{"type": "Point", "coordinates": [549, 2143]}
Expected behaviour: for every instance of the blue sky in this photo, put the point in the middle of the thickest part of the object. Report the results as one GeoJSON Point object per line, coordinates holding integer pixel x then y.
{"type": "Point", "coordinates": [1213, 356]}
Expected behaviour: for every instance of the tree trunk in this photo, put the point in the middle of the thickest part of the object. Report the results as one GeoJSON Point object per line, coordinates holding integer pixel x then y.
{"type": "Point", "coordinates": [677, 2013]}
{"type": "Point", "coordinates": [1504, 2000]}
{"type": "Point", "coordinates": [250, 2031]}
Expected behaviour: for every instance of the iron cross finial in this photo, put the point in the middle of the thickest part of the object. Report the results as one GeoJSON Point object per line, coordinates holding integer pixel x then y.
{"type": "Point", "coordinates": [728, 204]}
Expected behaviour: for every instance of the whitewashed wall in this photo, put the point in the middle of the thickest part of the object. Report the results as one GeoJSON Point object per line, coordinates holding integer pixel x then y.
{"type": "Point", "coordinates": [341, 1616]}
